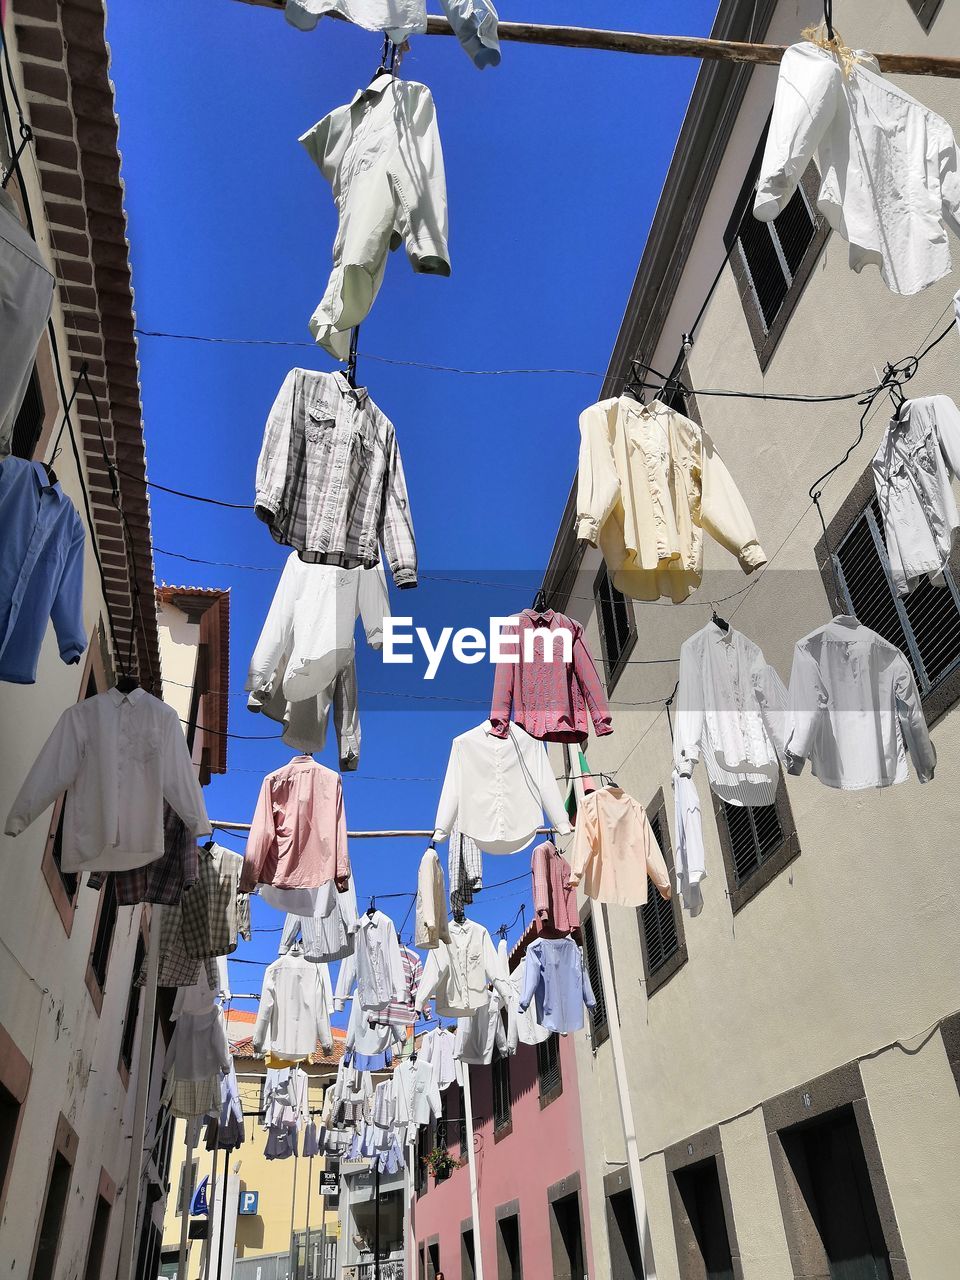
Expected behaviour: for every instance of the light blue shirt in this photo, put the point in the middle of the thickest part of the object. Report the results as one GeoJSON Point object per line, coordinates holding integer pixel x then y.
{"type": "Point", "coordinates": [556, 976]}
{"type": "Point", "coordinates": [41, 570]}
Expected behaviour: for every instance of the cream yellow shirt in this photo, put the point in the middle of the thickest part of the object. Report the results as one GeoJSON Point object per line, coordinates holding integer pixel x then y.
{"type": "Point", "coordinates": [615, 850]}
{"type": "Point", "coordinates": [650, 481]}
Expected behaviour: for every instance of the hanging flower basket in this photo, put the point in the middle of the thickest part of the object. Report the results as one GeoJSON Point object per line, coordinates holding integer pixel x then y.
{"type": "Point", "coordinates": [440, 1163]}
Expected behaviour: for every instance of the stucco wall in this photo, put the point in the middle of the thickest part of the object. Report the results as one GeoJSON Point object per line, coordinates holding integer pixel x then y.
{"type": "Point", "coordinates": [852, 946]}
{"type": "Point", "coordinates": [545, 1146]}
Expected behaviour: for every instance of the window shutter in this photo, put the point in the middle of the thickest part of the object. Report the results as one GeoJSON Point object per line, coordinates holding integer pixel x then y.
{"type": "Point", "coordinates": [548, 1065]}
{"type": "Point", "coordinates": [755, 833]}
{"type": "Point", "coordinates": [773, 251]}
{"type": "Point", "coordinates": [616, 622]}
{"type": "Point", "coordinates": [29, 421]}
{"type": "Point", "coordinates": [501, 1092]}
{"type": "Point", "coordinates": [657, 919]}
{"type": "Point", "coordinates": [925, 625]}
{"type": "Point", "coordinates": [926, 11]}
{"type": "Point", "coordinates": [106, 925]}
{"type": "Point", "coordinates": [599, 1013]}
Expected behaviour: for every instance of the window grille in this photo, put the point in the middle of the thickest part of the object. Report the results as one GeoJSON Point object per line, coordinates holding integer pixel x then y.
{"type": "Point", "coordinates": [598, 1016]}
{"type": "Point", "coordinates": [772, 252]}
{"type": "Point", "coordinates": [103, 938]}
{"type": "Point", "coordinates": [617, 623]}
{"type": "Point", "coordinates": [29, 421]}
{"type": "Point", "coordinates": [657, 917]}
{"type": "Point", "coordinates": [501, 1093]}
{"type": "Point", "coordinates": [926, 11]}
{"type": "Point", "coordinates": [755, 835]}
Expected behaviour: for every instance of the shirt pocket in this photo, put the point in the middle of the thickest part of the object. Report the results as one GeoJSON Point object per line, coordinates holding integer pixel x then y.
{"type": "Point", "coordinates": [143, 747]}
{"type": "Point", "coordinates": [476, 974]}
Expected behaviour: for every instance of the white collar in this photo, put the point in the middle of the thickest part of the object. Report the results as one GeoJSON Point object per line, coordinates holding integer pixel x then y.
{"type": "Point", "coordinates": [132, 697]}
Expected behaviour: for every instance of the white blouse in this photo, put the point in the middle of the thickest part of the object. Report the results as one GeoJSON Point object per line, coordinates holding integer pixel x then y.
{"type": "Point", "coordinates": [918, 455]}
{"type": "Point", "coordinates": [730, 708]}
{"type": "Point", "coordinates": [496, 790]}
{"type": "Point", "coordinates": [855, 710]}
{"type": "Point", "coordinates": [888, 165]}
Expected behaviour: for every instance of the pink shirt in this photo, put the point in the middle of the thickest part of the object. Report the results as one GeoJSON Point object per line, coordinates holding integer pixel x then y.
{"type": "Point", "coordinates": [298, 837]}
{"type": "Point", "coordinates": [554, 897]}
{"type": "Point", "coordinates": [550, 700]}
{"type": "Point", "coordinates": [615, 850]}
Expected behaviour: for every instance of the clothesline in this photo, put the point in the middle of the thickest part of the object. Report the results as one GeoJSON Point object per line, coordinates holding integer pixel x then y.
{"type": "Point", "coordinates": [668, 46]}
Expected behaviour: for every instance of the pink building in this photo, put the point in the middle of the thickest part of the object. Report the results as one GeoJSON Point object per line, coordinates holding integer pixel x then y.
{"type": "Point", "coordinates": [532, 1187]}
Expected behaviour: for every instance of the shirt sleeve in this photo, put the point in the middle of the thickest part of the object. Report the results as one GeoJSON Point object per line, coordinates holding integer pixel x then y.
{"type": "Point", "coordinates": [429, 981]}
{"type": "Point", "coordinates": [324, 1008]}
{"type": "Point", "coordinates": [222, 1042]}
{"type": "Point", "coordinates": [272, 463]}
{"type": "Point", "coordinates": [550, 797]}
{"type": "Point", "coordinates": [690, 712]}
{"type": "Point", "coordinates": [541, 889]}
{"type": "Point", "coordinates": [398, 978]}
{"type": "Point", "coordinates": [268, 1001]}
{"type": "Point", "coordinates": [585, 840]}
{"type": "Point", "coordinates": [427, 925]}
{"type": "Point", "coordinates": [345, 981]}
{"type": "Point", "coordinates": [491, 964]}
{"type": "Point", "coordinates": [343, 856]}
{"type": "Point", "coordinates": [532, 972]}
{"type": "Point", "coordinates": [723, 512]}
{"type": "Point", "coordinates": [449, 796]}
{"type": "Point", "coordinates": [503, 686]}
{"type": "Point", "coordinates": [808, 85]}
{"type": "Point", "coordinates": [53, 771]}
{"type": "Point", "coordinates": [433, 1090]}
{"type": "Point", "coordinates": [267, 664]}
{"type": "Point", "coordinates": [593, 691]}
{"type": "Point", "coordinates": [948, 431]}
{"type": "Point", "coordinates": [261, 841]}
{"type": "Point", "coordinates": [398, 540]}
{"type": "Point", "coordinates": [771, 694]}
{"type": "Point", "coordinates": [656, 865]}
{"type": "Point", "coordinates": [914, 724]}
{"type": "Point", "coordinates": [950, 182]}
{"type": "Point", "coordinates": [373, 601]}
{"type": "Point", "coordinates": [803, 709]}
{"type": "Point", "coordinates": [181, 787]}
{"type": "Point", "coordinates": [598, 485]}
{"type": "Point", "coordinates": [589, 999]}
{"type": "Point", "coordinates": [66, 612]}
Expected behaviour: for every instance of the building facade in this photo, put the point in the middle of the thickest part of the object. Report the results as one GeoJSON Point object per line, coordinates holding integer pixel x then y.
{"type": "Point", "coordinates": [792, 1049]}
{"type": "Point", "coordinates": [531, 1175]}
{"type": "Point", "coordinates": [70, 1014]}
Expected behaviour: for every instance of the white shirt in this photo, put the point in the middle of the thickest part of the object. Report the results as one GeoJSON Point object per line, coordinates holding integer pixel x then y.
{"type": "Point", "coordinates": [416, 1092]}
{"type": "Point", "coordinates": [529, 1030]}
{"type": "Point", "coordinates": [690, 862]}
{"type": "Point", "coordinates": [398, 19]}
{"type": "Point", "coordinates": [731, 707]}
{"type": "Point", "coordinates": [458, 972]}
{"type": "Point", "coordinates": [432, 924]}
{"type": "Point", "coordinates": [855, 710]}
{"type": "Point", "coordinates": [477, 1035]}
{"type": "Point", "coordinates": [375, 966]}
{"type": "Point", "coordinates": [307, 638]}
{"type": "Point", "coordinates": [888, 165]}
{"type": "Point", "coordinates": [436, 1047]}
{"type": "Point", "coordinates": [199, 1047]}
{"type": "Point", "coordinates": [496, 790]}
{"type": "Point", "coordinates": [295, 1005]}
{"type": "Point", "coordinates": [118, 757]}
{"type": "Point", "coordinates": [918, 455]}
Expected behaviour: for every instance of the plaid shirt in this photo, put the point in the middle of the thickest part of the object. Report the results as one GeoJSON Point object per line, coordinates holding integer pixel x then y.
{"type": "Point", "coordinates": [160, 881]}
{"type": "Point", "coordinates": [211, 907]}
{"type": "Point", "coordinates": [402, 1012]}
{"type": "Point", "coordinates": [330, 481]}
{"type": "Point", "coordinates": [464, 869]}
{"type": "Point", "coordinates": [177, 969]}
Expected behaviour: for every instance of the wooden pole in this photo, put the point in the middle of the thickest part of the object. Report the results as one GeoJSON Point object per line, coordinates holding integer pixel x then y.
{"type": "Point", "coordinates": [131, 1204]}
{"type": "Point", "coordinates": [658, 46]}
{"type": "Point", "coordinates": [472, 1164]}
{"type": "Point", "coordinates": [648, 1268]}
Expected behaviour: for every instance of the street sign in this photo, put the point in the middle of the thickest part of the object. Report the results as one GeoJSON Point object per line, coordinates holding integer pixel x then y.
{"type": "Point", "coordinates": [330, 1179]}
{"type": "Point", "coordinates": [198, 1230]}
{"type": "Point", "coordinates": [249, 1201]}
{"type": "Point", "coordinates": [199, 1202]}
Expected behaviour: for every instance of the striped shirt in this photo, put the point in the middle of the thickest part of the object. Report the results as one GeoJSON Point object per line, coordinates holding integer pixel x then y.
{"type": "Point", "coordinates": [330, 480]}
{"type": "Point", "coordinates": [401, 1013]}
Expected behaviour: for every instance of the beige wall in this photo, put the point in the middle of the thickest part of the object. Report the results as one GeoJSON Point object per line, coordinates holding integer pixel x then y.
{"type": "Point", "coordinates": [853, 946]}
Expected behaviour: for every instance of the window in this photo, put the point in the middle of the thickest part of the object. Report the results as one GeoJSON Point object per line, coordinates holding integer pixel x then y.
{"type": "Point", "coordinates": [618, 626]}
{"type": "Point", "coordinates": [433, 1259]}
{"type": "Point", "coordinates": [771, 261]}
{"type": "Point", "coordinates": [836, 1223]}
{"type": "Point", "coordinates": [29, 421]}
{"type": "Point", "coordinates": [501, 1095]}
{"type": "Point", "coordinates": [703, 1245]}
{"type": "Point", "coordinates": [757, 842]}
{"type": "Point", "coordinates": [598, 1016]}
{"type": "Point", "coordinates": [103, 937]}
{"type": "Point", "coordinates": [55, 1202]}
{"type": "Point", "coordinates": [566, 1238]}
{"type": "Point", "coordinates": [14, 1082]}
{"type": "Point", "coordinates": [661, 928]}
{"type": "Point", "coordinates": [925, 625]}
{"type": "Point", "coordinates": [468, 1261]}
{"type": "Point", "coordinates": [625, 1260]}
{"type": "Point", "coordinates": [548, 1069]}
{"type": "Point", "coordinates": [98, 1239]}
{"type": "Point", "coordinates": [442, 1133]}
{"type": "Point", "coordinates": [133, 1008]}
{"type": "Point", "coordinates": [509, 1264]}
{"type": "Point", "coordinates": [926, 11]}
{"type": "Point", "coordinates": [190, 1172]}
{"type": "Point", "coordinates": [421, 1181]}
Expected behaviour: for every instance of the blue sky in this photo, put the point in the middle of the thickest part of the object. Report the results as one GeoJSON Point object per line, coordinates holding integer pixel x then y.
{"type": "Point", "coordinates": [554, 162]}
